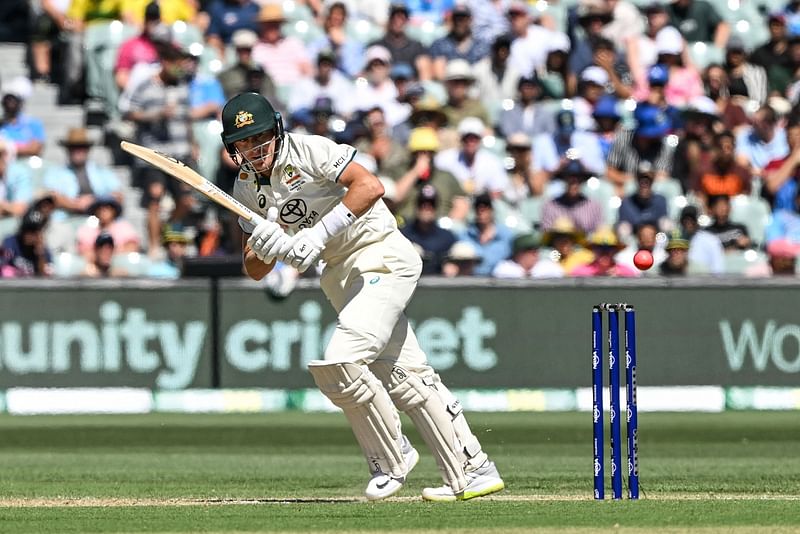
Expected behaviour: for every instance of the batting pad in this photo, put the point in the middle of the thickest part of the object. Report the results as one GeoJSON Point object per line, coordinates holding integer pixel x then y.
{"type": "Point", "coordinates": [369, 410]}
{"type": "Point", "coordinates": [439, 419]}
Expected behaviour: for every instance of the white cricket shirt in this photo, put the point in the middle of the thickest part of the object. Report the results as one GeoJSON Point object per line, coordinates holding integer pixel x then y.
{"type": "Point", "coordinates": [304, 187]}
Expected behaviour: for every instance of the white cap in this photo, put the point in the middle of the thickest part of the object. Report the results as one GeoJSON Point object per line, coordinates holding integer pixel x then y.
{"type": "Point", "coordinates": [20, 87]}
{"type": "Point", "coordinates": [669, 41]}
{"type": "Point", "coordinates": [463, 250]}
{"type": "Point", "coordinates": [594, 74]}
{"type": "Point", "coordinates": [702, 104]}
{"type": "Point", "coordinates": [244, 39]}
{"type": "Point", "coordinates": [458, 69]}
{"type": "Point", "coordinates": [471, 125]}
{"type": "Point", "coordinates": [519, 139]}
{"type": "Point", "coordinates": [379, 53]}
{"type": "Point", "coordinates": [558, 41]}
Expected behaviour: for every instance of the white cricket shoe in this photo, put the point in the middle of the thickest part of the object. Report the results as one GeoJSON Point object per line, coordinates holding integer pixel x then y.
{"type": "Point", "coordinates": [481, 481]}
{"type": "Point", "coordinates": [382, 485]}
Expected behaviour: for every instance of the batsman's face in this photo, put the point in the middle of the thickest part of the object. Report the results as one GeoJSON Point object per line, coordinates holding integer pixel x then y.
{"type": "Point", "coordinates": [258, 151]}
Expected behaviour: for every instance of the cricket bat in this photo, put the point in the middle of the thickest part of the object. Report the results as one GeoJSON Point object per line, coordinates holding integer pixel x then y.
{"type": "Point", "coordinates": [182, 172]}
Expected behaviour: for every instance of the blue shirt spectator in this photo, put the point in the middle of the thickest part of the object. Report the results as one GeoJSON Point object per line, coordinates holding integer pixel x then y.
{"type": "Point", "coordinates": [433, 10]}
{"type": "Point", "coordinates": [206, 90]}
{"type": "Point", "coordinates": [785, 224]}
{"type": "Point", "coordinates": [227, 16]}
{"type": "Point", "coordinates": [643, 205]}
{"type": "Point", "coordinates": [460, 43]}
{"type": "Point", "coordinates": [16, 187]}
{"type": "Point", "coordinates": [425, 232]}
{"type": "Point", "coordinates": [27, 133]}
{"type": "Point", "coordinates": [492, 240]}
{"type": "Point", "coordinates": [349, 56]}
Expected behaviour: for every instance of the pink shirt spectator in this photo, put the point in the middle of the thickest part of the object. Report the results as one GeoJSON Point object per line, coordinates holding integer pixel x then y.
{"type": "Point", "coordinates": [126, 239]}
{"type": "Point", "coordinates": [285, 61]}
{"type": "Point", "coordinates": [139, 49]}
{"type": "Point", "coordinates": [684, 84]}
{"type": "Point", "coordinates": [594, 270]}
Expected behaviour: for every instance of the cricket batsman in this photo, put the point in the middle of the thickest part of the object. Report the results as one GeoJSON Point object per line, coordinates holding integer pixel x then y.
{"type": "Point", "coordinates": [319, 204]}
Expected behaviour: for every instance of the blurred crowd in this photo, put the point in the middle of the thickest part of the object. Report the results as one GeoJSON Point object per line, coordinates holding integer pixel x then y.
{"type": "Point", "coordinates": [514, 139]}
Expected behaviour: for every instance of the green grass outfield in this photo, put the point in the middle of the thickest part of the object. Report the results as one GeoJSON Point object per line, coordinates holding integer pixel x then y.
{"type": "Point", "coordinates": [293, 472]}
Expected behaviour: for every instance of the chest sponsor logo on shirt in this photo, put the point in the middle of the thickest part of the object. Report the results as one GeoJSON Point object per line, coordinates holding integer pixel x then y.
{"type": "Point", "coordinates": [296, 211]}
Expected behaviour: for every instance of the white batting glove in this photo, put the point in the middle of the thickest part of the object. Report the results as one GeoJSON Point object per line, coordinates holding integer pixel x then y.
{"type": "Point", "coordinates": [268, 238]}
{"type": "Point", "coordinates": [304, 249]}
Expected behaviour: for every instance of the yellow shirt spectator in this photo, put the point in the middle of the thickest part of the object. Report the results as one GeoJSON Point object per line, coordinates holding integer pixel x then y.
{"type": "Point", "coordinates": [171, 10]}
{"type": "Point", "coordinates": [95, 10]}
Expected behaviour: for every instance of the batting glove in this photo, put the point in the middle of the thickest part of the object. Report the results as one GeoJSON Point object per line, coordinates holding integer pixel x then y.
{"type": "Point", "coordinates": [306, 246]}
{"type": "Point", "coordinates": [268, 238]}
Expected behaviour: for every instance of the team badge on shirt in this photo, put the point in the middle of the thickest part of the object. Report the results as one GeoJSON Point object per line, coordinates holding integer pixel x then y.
{"type": "Point", "coordinates": [292, 179]}
{"type": "Point", "coordinates": [243, 118]}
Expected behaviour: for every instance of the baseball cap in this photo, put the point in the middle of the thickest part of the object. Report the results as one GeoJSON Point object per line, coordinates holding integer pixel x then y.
{"type": "Point", "coordinates": [34, 220]}
{"type": "Point", "coordinates": [658, 75]}
{"type": "Point", "coordinates": [606, 108]}
{"type": "Point", "coordinates": [689, 212]}
{"type": "Point", "coordinates": [458, 69]}
{"type": "Point", "coordinates": [244, 39]}
{"type": "Point", "coordinates": [428, 194]}
{"type": "Point", "coordinates": [484, 199]}
{"type": "Point", "coordinates": [525, 242]}
{"type": "Point", "coordinates": [19, 87]}
{"type": "Point", "coordinates": [669, 41]}
{"type": "Point", "coordinates": [595, 75]}
{"type": "Point", "coordinates": [377, 53]}
{"type": "Point", "coordinates": [398, 7]}
{"type": "Point", "coordinates": [736, 43]}
{"type": "Point", "coordinates": [463, 251]}
{"type": "Point", "coordinates": [461, 9]}
{"type": "Point", "coordinates": [152, 11]}
{"type": "Point", "coordinates": [471, 126]}
{"type": "Point", "coordinates": [529, 78]}
{"type": "Point", "coordinates": [558, 42]}
{"type": "Point", "coordinates": [651, 121]}
{"type": "Point", "coordinates": [519, 140]}
{"type": "Point", "coordinates": [104, 238]}
{"type": "Point", "coordinates": [401, 71]}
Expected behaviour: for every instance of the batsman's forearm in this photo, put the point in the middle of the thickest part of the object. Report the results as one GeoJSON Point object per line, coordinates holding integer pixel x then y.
{"type": "Point", "coordinates": [255, 268]}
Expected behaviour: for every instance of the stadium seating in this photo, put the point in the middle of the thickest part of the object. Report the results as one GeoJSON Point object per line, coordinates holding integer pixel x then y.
{"type": "Point", "coordinates": [754, 213]}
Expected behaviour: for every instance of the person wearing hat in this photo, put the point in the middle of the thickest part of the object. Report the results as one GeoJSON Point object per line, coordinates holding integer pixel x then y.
{"type": "Point", "coordinates": [313, 202]}
{"type": "Point", "coordinates": [99, 263]}
{"type": "Point", "coordinates": [390, 156]}
{"type": "Point", "coordinates": [138, 49]}
{"type": "Point", "coordinates": [495, 78]}
{"type": "Point", "coordinates": [176, 246]}
{"type": "Point", "coordinates": [245, 75]}
{"type": "Point", "coordinates": [107, 218]}
{"type": "Point", "coordinates": [647, 144]}
{"type": "Point", "coordinates": [477, 169]}
{"type": "Point", "coordinates": [528, 114]}
{"type": "Point", "coordinates": [227, 16]}
{"type": "Point", "coordinates": [604, 55]}
{"type": "Point", "coordinates": [458, 81]}
{"type": "Point", "coordinates": [403, 48]}
{"type": "Point", "coordinates": [683, 83]}
{"type": "Point", "coordinates": [379, 90]}
{"type": "Point", "coordinates": [705, 249]}
{"type": "Point", "coordinates": [566, 240]}
{"type": "Point", "coordinates": [774, 55]}
{"type": "Point", "coordinates": [607, 118]}
{"type": "Point", "coordinates": [604, 244]}
{"type": "Point", "coordinates": [284, 58]}
{"type": "Point", "coordinates": [522, 184]}
{"type": "Point", "coordinates": [76, 185]}
{"type": "Point", "coordinates": [591, 87]}
{"type": "Point", "coordinates": [24, 131]}
{"type": "Point", "coordinates": [16, 184]}
{"type": "Point", "coordinates": [423, 145]}
{"type": "Point", "coordinates": [748, 77]}
{"type": "Point", "coordinates": [459, 43]}
{"type": "Point", "coordinates": [641, 51]}
{"type": "Point", "coordinates": [525, 261]}
{"type": "Point", "coordinates": [24, 253]}
{"type": "Point", "coordinates": [529, 37]}
{"type": "Point", "coordinates": [328, 82]}
{"type": "Point", "coordinates": [677, 260]}
{"type": "Point", "coordinates": [491, 238]}
{"type": "Point", "coordinates": [424, 231]}
{"type": "Point", "coordinates": [592, 17]}
{"type": "Point", "coordinates": [585, 213]}
{"type": "Point", "coordinates": [698, 20]}
{"type": "Point", "coordinates": [642, 205]}
{"type": "Point", "coordinates": [348, 50]}
{"type": "Point", "coordinates": [461, 260]}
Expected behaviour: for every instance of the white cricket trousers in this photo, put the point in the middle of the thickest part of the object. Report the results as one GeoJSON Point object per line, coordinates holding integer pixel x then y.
{"type": "Point", "coordinates": [370, 291]}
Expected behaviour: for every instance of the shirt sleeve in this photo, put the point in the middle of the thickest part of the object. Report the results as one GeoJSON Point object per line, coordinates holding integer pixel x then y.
{"type": "Point", "coordinates": [323, 158]}
{"type": "Point", "coordinates": [249, 198]}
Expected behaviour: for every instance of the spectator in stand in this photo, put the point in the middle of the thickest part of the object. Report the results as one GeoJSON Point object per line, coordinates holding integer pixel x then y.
{"type": "Point", "coordinates": [592, 16]}
{"type": "Point", "coordinates": [284, 58]}
{"type": "Point", "coordinates": [554, 74]}
{"type": "Point", "coordinates": [697, 20]}
{"type": "Point", "coordinates": [495, 78]}
{"type": "Point", "coordinates": [657, 79]}
{"type": "Point", "coordinates": [773, 56]}
{"type": "Point", "coordinates": [427, 112]}
{"type": "Point", "coordinates": [646, 144]}
{"type": "Point", "coordinates": [206, 96]}
{"type": "Point", "coordinates": [527, 114]}
{"type": "Point", "coordinates": [608, 120]}
{"type": "Point", "coordinates": [748, 78]}
{"type": "Point", "coordinates": [24, 254]}
{"type": "Point", "coordinates": [730, 111]}
{"type": "Point", "coordinates": [107, 219]}
{"type": "Point", "coordinates": [227, 16]}
{"type": "Point", "coordinates": [641, 206]}
{"type": "Point", "coordinates": [491, 238]}
{"type": "Point", "coordinates": [567, 243]}
{"type": "Point", "coordinates": [646, 233]}
{"type": "Point", "coordinates": [423, 144]}
{"type": "Point", "coordinates": [705, 249]}
{"type": "Point", "coordinates": [626, 23]}
{"type": "Point", "coordinates": [604, 245]}
{"type": "Point", "coordinates": [49, 26]}
{"type": "Point", "coordinates": [175, 243]}
{"type": "Point", "coordinates": [489, 19]}
{"type": "Point", "coordinates": [733, 236]}
{"type": "Point", "coordinates": [408, 99]}
{"type": "Point", "coordinates": [765, 141]}
{"type": "Point", "coordinates": [139, 49]}
{"type": "Point", "coordinates": [586, 214]}
{"type": "Point", "coordinates": [78, 184]}
{"type": "Point", "coordinates": [525, 261]}
{"type": "Point", "coordinates": [783, 258]}
{"type": "Point", "coordinates": [390, 157]}
{"type": "Point", "coordinates": [684, 83]}
{"type": "Point", "coordinates": [458, 81]}
{"type": "Point", "coordinates": [379, 90]}
{"type": "Point", "coordinates": [528, 38]}
{"type": "Point", "coordinates": [520, 176]}
{"type": "Point", "coordinates": [399, 110]}
{"type": "Point", "coordinates": [642, 50]}
{"type": "Point", "coordinates": [604, 55]}
{"type": "Point", "coordinates": [327, 82]}
{"type": "Point", "coordinates": [160, 110]}
{"type": "Point", "coordinates": [24, 131]}
{"type": "Point", "coordinates": [462, 260]}
{"type": "Point", "coordinates": [347, 50]}
{"type": "Point", "coordinates": [402, 48]}
{"type": "Point", "coordinates": [171, 11]}
{"type": "Point", "coordinates": [677, 261]}
{"type": "Point", "coordinates": [99, 264]}
{"type": "Point", "coordinates": [782, 175]}
{"type": "Point", "coordinates": [459, 43]}
{"type": "Point", "coordinates": [16, 185]}
{"type": "Point", "coordinates": [591, 88]}
{"type": "Point", "coordinates": [317, 121]}
{"type": "Point", "coordinates": [477, 169]}
{"type": "Point", "coordinates": [424, 231]}
{"type": "Point", "coordinates": [723, 175]}
{"type": "Point", "coordinates": [245, 75]}
{"type": "Point", "coordinates": [693, 154]}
